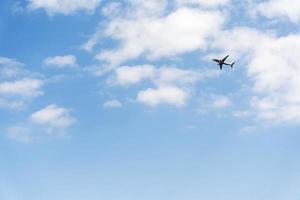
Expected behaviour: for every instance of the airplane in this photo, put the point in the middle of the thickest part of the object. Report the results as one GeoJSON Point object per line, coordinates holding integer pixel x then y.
{"type": "Point", "coordinates": [222, 62]}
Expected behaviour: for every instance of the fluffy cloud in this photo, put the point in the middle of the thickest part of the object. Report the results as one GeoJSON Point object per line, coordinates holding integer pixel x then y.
{"type": "Point", "coordinates": [17, 85]}
{"type": "Point", "coordinates": [65, 7]}
{"type": "Point", "coordinates": [289, 9]}
{"type": "Point", "coordinates": [61, 61]}
{"type": "Point", "coordinates": [273, 68]}
{"type": "Point", "coordinates": [172, 85]}
{"type": "Point", "coordinates": [239, 41]}
{"type": "Point", "coordinates": [24, 88]}
{"type": "Point", "coordinates": [112, 104]}
{"type": "Point", "coordinates": [55, 118]}
{"type": "Point", "coordinates": [181, 31]}
{"type": "Point", "coordinates": [163, 95]}
{"type": "Point", "coordinates": [131, 75]}
{"type": "Point", "coordinates": [47, 122]}
{"type": "Point", "coordinates": [129, 10]}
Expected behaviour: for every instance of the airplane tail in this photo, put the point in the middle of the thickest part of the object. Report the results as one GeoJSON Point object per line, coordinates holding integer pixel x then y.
{"type": "Point", "coordinates": [231, 65]}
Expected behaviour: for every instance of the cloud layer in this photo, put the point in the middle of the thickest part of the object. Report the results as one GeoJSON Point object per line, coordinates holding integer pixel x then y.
{"type": "Point", "coordinates": [147, 32]}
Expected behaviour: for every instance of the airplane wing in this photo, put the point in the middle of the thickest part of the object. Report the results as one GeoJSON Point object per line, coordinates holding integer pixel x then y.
{"type": "Point", "coordinates": [223, 60]}
{"type": "Point", "coordinates": [216, 60]}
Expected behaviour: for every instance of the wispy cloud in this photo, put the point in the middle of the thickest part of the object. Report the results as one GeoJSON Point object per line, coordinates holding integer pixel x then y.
{"type": "Point", "coordinates": [214, 103]}
{"type": "Point", "coordinates": [11, 68]}
{"type": "Point", "coordinates": [20, 134]}
{"type": "Point", "coordinates": [130, 75]}
{"type": "Point", "coordinates": [112, 104]}
{"type": "Point", "coordinates": [203, 3]}
{"type": "Point", "coordinates": [18, 85]}
{"type": "Point", "coordinates": [61, 61]}
{"type": "Point", "coordinates": [221, 101]}
{"type": "Point", "coordinates": [65, 7]}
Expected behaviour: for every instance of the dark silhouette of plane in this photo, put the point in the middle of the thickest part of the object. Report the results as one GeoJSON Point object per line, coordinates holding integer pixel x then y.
{"type": "Point", "coordinates": [222, 62]}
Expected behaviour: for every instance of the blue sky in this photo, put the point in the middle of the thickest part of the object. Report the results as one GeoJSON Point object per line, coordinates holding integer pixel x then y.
{"type": "Point", "coordinates": [119, 100]}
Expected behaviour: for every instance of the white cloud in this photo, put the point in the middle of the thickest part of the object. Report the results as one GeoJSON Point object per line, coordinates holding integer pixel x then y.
{"type": "Point", "coordinates": [239, 41]}
{"type": "Point", "coordinates": [112, 9]}
{"type": "Point", "coordinates": [242, 113]}
{"type": "Point", "coordinates": [61, 61]}
{"type": "Point", "coordinates": [9, 62]}
{"type": "Point", "coordinates": [211, 102]}
{"type": "Point", "coordinates": [25, 87]}
{"type": "Point", "coordinates": [131, 75]}
{"type": "Point", "coordinates": [17, 85]}
{"type": "Point", "coordinates": [112, 104]}
{"type": "Point", "coordinates": [92, 41]}
{"type": "Point", "coordinates": [163, 95]}
{"type": "Point", "coordinates": [10, 68]}
{"type": "Point", "coordinates": [65, 7]}
{"type": "Point", "coordinates": [128, 10]}
{"type": "Point", "coordinates": [221, 102]}
{"type": "Point", "coordinates": [273, 67]}
{"type": "Point", "coordinates": [172, 85]}
{"type": "Point", "coordinates": [289, 9]}
{"type": "Point", "coordinates": [182, 31]}
{"type": "Point", "coordinates": [177, 76]}
{"type": "Point", "coordinates": [47, 122]}
{"type": "Point", "coordinates": [9, 72]}
{"type": "Point", "coordinates": [141, 8]}
{"type": "Point", "coordinates": [55, 118]}
{"type": "Point", "coordinates": [11, 104]}
{"type": "Point", "coordinates": [204, 3]}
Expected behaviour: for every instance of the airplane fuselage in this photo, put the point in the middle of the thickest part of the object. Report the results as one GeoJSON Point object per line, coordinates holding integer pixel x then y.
{"type": "Point", "coordinates": [222, 62]}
